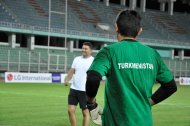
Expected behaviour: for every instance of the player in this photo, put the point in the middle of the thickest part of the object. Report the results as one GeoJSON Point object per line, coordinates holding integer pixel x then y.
{"type": "Point", "coordinates": [131, 69]}
{"type": "Point", "coordinates": [77, 93]}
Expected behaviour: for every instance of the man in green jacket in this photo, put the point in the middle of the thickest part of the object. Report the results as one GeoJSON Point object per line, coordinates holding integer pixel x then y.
{"type": "Point", "coordinates": [131, 69]}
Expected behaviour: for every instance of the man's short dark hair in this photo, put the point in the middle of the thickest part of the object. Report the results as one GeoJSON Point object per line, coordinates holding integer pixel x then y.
{"type": "Point", "coordinates": [88, 44]}
{"type": "Point", "coordinates": [128, 23]}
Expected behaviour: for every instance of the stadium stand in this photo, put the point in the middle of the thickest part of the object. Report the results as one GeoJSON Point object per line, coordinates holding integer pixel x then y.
{"type": "Point", "coordinates": [173, 25]}
{"type": "Point", "coordinates": [83, 17]}
{"type": "Point", "coordinates": [5, 15]}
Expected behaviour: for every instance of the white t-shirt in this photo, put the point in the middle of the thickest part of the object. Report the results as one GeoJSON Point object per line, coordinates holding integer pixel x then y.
{"type": "Point", "coordinates": [81, 65]}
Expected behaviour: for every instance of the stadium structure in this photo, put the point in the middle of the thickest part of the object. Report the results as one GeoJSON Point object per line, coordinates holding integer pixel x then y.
{"type": "Point", "coordinates": [42, 36]}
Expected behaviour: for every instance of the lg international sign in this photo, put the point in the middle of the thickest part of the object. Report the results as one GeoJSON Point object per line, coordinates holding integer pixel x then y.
{"type": "Point", "coordinates": [11, 77]}
{"type": "Point", "coordinates": [16, 77]}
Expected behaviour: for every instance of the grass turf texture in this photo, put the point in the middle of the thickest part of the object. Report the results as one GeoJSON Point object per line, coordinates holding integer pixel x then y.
{"type": "Point", "coordinates": [46, 105]}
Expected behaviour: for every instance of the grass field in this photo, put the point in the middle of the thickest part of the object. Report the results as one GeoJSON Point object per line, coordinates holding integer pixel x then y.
{"type": "Point", "coordinates": [46, 105]}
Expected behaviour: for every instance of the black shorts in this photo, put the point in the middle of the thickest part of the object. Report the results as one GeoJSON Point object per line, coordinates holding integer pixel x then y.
{"type": "Point", "coordinates": [76, 97]}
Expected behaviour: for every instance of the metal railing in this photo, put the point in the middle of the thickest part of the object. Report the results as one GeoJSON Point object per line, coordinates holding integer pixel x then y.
{"type": "Point", "coordinates": [109, 37]}
{"type": "Point", "coordinates": [179, 68]}
{"type": "Point", "coordinates": [33, 62]}
{"type": "Point", "coordinates": [55, 30]}
{"type": "Point", "coordinates": [24, 61]}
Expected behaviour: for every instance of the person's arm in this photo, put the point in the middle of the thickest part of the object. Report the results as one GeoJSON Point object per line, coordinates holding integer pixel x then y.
{"type": "Point", "coordinates": [163, 92]}
{"type": "Point", "coordinates": [166, 80]}
{"type": "Point", "coordinates": [69, 76]}
{"type": "Point", "coordinates": [92, 85]}
{"type": "Point", "coordinates": [99, 68]}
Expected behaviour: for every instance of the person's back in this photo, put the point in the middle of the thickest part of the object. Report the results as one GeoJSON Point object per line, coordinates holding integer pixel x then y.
{"type": "Point", "coordinates": [131, 69]}
{"type": "Point", "coordinates": [129, 84]}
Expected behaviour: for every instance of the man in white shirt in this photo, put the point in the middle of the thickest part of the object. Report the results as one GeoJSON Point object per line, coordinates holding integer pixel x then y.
{"type": "Point", "coordinates": [77, 92]}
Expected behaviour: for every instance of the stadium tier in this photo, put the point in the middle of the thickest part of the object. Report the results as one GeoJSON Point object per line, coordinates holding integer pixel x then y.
{"type": "Point", "coordinates": [6, 15]}
{"type": "Point", "coordinates": [84, 16]}
{"type": "Point", "coordinates": [84, 20]}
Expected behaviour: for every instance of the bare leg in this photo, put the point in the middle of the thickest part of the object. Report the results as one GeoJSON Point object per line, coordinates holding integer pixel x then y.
{"type": "Point", "coordinates": [72, 117]}
{"type": "Point", "coordinates": [86, 117]}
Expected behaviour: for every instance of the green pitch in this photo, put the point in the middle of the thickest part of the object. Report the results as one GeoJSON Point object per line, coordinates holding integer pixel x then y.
{"type": "Point", "coordinates": [46, 105]}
